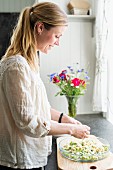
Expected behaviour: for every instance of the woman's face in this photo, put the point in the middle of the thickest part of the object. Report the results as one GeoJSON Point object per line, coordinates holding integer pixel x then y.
{"type": "Point", "coordinates": [48, 38]}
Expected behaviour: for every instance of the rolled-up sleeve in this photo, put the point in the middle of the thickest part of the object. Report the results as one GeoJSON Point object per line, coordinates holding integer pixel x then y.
{"type": "Point", "coordinates": [18, 91]}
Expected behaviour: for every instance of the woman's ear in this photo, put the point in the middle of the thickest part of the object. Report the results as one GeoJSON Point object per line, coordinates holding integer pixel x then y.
{"type": "Point", "coordinates": [40, 27]}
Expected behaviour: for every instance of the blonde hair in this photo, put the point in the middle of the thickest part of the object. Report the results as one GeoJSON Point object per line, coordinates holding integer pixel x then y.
{"type": "Point", "coordinates": [23, 38]}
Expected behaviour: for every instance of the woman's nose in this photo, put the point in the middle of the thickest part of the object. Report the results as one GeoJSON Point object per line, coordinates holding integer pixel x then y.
{"type": "Point", "coordinates": [57, 43]}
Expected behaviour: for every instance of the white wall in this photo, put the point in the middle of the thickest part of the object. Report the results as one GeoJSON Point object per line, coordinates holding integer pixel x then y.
{"type": "Point", "coordinates": [14, 5]}
{"type": "Point", "coordinates": [61, 3]}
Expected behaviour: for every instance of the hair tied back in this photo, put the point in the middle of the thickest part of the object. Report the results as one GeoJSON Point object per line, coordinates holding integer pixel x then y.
{"type": "Point", "coordinates": [31, 10]}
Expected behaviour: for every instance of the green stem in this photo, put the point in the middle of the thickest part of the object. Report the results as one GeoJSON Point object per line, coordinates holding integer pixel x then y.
{"type": "Point", "coordinates": [72, 105]}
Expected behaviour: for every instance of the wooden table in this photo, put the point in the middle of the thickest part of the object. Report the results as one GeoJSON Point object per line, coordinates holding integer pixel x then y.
{"type": "Point", "coordinates": [65, 164]}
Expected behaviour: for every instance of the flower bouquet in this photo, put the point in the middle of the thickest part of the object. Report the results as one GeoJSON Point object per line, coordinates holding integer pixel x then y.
{"type": "Point", "coordinates": [72, 83]}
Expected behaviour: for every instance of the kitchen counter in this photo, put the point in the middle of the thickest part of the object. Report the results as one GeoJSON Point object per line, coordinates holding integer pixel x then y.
{"type": "Point", "coordinates": [99, 127]}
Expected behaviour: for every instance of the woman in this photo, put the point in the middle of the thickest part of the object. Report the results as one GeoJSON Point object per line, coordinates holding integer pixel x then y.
{"type": "Point", "coordinates": [27, 120]}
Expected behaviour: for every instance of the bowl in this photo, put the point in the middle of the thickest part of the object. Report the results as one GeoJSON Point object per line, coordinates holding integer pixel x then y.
{"type": "Point", "coordinates": [84, 150]}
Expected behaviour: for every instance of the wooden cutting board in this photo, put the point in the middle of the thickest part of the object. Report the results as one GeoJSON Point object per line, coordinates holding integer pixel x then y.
{"type": "Point", "coordinates": [65, 164]}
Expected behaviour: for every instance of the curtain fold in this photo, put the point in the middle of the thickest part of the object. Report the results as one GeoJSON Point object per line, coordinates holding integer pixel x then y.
{"type": "Point", "coordinates": [100, 82]}
{"type": "Point", "coordinates": [109, 114]}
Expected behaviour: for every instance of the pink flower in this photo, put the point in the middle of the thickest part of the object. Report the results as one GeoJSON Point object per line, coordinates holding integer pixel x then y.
{"type": "Point", "coordinates": [76, 81]}
{"type": "Point", "coordinates": [55, 80]}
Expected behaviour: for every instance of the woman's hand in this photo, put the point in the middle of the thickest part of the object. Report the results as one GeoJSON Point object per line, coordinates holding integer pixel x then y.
{"type": "Point", "coordinates": [68, 125]}
{"type": "Point", "coordinates": [74, 121]}
{"type": "Point", "coordinates": [68, 119]}
{"type": "Point", "coordinates": [80, 131]}
{"type": "Point", "coordinates": [74, 129]}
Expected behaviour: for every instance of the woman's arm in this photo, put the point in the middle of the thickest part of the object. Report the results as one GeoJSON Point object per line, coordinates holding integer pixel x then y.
{"type": "Point", "coordinates": [79, 131]}
{"type": "Point", "coordinates": [68, 125]}
{"type": "Point", "coordinates": [55, 115]}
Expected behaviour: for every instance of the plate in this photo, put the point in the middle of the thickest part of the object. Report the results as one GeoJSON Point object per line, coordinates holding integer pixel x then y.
{"type": "Point", "coordinates": [84, 150]}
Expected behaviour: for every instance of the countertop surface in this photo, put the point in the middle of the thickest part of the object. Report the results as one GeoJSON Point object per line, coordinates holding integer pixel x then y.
{"type": "Point", "coordinates": [99, 127]}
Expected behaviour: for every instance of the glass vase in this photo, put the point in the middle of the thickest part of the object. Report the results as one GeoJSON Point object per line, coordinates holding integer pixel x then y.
{"type": "Point", "coordinates": [72, 105]}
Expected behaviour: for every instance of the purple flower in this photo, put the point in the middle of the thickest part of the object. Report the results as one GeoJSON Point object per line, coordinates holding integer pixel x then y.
{"type": "Point", "coordinates": [52, 76]}
{"type": "Point", "coordinates": [87, 77]}
{"type": "Point", "coordinates": [70, 68]}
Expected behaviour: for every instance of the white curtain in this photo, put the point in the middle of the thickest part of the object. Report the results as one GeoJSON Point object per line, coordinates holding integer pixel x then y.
{"type": "Point", "coordinates": [110, 63]}
{"type": "Point", "coordinates": [100, 83]}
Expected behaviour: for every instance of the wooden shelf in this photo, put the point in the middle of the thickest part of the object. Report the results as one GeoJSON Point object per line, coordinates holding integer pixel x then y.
{"type": "Point", "coordinates": [83, 18]}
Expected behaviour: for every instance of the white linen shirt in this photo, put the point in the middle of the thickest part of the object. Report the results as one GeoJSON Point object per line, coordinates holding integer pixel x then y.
{"type": "Point", "coordinates": [24, 116]}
